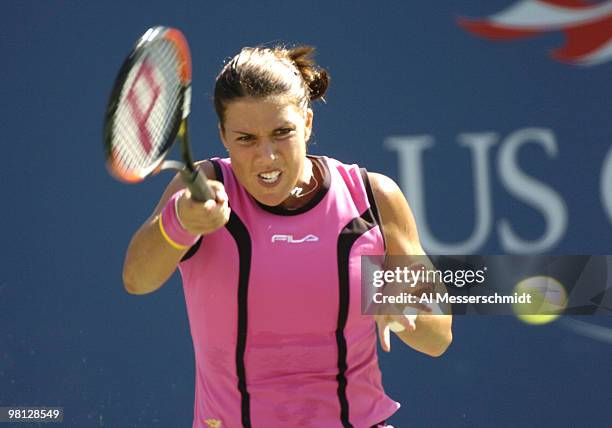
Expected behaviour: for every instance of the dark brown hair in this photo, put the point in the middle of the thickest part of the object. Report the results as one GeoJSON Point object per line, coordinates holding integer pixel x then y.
{"type": "Point", "coordinates": [262, 72]}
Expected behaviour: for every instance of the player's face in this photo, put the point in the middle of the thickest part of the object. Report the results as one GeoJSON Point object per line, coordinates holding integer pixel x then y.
{"type": "Point", "coordinates": [266, 140]}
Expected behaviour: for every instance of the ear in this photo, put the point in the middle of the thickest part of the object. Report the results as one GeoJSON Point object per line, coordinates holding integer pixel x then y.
{"type": "Point", "coordinates": [308, 124]}
{"type": "Point", "coordinates": [222, 135]}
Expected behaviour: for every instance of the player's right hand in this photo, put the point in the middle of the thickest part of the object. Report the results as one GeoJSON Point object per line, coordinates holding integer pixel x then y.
{"type": "Point", "coordinates": [204, 217]}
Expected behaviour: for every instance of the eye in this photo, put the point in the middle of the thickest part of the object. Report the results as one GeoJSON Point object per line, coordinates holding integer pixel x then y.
{"type": "Point", "coordinates": [281, 132]}
{"type": "Point", "coordinates": [245, 139]}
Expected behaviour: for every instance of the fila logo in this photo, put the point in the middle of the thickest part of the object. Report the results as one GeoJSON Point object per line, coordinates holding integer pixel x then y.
{"type": "Point", "coordinates": [291, 240]}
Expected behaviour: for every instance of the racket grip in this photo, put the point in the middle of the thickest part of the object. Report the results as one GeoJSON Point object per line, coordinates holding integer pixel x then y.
{"type": "Point", "coordinates": [197, 184]}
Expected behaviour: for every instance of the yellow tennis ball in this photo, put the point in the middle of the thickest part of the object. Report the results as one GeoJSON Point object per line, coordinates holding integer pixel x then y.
{"type": "Point", "coordinates": [548, 300]}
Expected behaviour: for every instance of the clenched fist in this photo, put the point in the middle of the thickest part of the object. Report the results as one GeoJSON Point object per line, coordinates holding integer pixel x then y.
{"type": "Point", "coordinates": [201, 218]}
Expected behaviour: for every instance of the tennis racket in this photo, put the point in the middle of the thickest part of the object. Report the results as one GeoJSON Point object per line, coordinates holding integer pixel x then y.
{"type": "Point", "coordinates": [148, 109]}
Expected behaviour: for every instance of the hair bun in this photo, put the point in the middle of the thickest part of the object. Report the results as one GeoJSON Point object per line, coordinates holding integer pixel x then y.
{"type": "Point", "coordinates": [316, 78]}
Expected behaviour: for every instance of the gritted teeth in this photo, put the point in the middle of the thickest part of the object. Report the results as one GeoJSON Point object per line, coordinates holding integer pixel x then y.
{"type": "Point", "coordinates": [270, 176]}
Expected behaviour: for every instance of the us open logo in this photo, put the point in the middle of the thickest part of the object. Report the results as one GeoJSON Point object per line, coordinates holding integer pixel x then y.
{"type": "Point", "coordinates": [587, 27]}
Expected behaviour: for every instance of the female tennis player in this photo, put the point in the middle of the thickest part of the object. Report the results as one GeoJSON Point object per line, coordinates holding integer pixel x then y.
{"type": "Point", "coordinates": [271, 266]}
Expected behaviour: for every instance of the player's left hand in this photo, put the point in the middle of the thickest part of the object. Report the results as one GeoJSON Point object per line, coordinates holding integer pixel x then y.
{"type": "Point", "coordinates": [396, 323]}
{"type": "Point", "coordinates": [402, 318]}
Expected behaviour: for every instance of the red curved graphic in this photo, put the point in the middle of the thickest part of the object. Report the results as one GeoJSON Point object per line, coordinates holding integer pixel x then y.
{"type": "Point", "coordinates": [586, 25]}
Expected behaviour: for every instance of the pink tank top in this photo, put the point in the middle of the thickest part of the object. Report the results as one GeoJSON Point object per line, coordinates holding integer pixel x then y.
{"type": "Point", "coordinates": [274, 308]}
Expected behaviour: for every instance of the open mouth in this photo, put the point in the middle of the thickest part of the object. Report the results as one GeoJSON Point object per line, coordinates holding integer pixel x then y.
{"type": "Point", "coordinates": [270, 177]}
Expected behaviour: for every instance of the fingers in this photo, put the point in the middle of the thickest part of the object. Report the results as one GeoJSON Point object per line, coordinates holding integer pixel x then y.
{"type": "Point", "coordinates": [384, 334]}
{"type": "Point", "coordinates": [401, 296]}
{"type": "Point", "coordinates": [393, 323]}
{"type": "Point", "coordinates": [410, 322]}
{"type": "Point", "coordinates": [206, 217]}
{"type": "Point", "coordinates": [210, 204]}
{"type": "Point", "coordinates": [218, 191]}
{"type": "Point", "coordinates": [396, 327]}
{"type": "Point", "coordinates": [398, 324]}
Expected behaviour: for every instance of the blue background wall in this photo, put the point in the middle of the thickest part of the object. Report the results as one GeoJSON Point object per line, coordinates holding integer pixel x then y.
{"type": "Point", "coordinates": [70, 336]}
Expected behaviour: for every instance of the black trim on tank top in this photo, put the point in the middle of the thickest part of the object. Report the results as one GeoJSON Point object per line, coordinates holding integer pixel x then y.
{"type": "Point", "coordinates": [194, 248]}
{"type": "Point", "coordinates": [217, 168]}
{"type": "Point", "coordinates": [324, 168]}
{"type": "Point", "coordinates": [241, 236]}
{"type": "Point", "coordinates": [243, 242]}
{"type": "Point", "coordinates": [373, 205]}
{"type": "Point", "coordinates": [191, 251]}
{"type": "Point", "coordinates": [348, 236]}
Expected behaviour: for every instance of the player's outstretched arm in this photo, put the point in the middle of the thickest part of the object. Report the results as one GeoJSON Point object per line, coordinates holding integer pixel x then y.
{"type": "Point", "coordinates": [430, 334]}
{"type": "Point", "coordinates": [152, 256]}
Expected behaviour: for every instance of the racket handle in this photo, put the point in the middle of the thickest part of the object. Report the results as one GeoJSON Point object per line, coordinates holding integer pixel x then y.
{"type": "Point", "coordinates": [197, 185]}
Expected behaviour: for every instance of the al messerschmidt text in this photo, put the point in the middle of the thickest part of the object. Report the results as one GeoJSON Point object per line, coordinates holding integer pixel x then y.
{"type": "Point", "coordinates": [496, 298]}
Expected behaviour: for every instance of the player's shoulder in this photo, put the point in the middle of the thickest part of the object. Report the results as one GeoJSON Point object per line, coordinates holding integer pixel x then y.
{"type": "Point", "coordinates": [399, 225]}
{"type": "Point", "coordinates": [391, 201]}
{"type": "Point", "coordinates": [385, 189]}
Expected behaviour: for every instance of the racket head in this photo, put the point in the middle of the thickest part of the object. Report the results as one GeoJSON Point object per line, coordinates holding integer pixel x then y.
{"type": "Point", "coordinates": [150, 98]}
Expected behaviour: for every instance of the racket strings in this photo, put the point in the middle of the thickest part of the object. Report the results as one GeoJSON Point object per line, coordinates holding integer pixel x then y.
{"type": "Point", "coordinates": [147, 127]}
{"type": "Point", "coordinates": [146, 114]}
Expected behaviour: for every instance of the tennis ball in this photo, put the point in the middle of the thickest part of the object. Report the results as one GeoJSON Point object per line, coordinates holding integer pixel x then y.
{"type": "Point", "coordinates": [548, 300]}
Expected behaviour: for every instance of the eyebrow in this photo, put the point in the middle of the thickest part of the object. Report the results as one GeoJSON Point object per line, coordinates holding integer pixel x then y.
{"type": "Point", "coordinates": [283, 125]}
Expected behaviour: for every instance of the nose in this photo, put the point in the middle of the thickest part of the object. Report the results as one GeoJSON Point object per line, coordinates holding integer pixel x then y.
{"type": "Point", "coordinates": [267, 149]}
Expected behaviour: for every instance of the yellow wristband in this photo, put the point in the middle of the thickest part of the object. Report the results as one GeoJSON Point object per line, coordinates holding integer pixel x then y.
{"type": "Point", "coordinates": [167, 238]}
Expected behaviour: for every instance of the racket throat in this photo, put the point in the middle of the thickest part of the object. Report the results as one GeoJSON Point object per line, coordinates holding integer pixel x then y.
{"type": "Point", "coordinates": [183, 134]}
{"type": "Point", "coordinates": [174, 165]}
